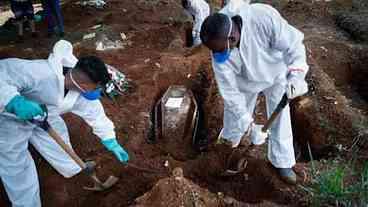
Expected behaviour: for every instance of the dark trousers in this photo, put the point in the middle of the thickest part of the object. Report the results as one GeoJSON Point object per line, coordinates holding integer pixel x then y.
{"type": "Point", "coordinates": [22, 9]}
{"type": "Point", "coordinates": [53, 15]}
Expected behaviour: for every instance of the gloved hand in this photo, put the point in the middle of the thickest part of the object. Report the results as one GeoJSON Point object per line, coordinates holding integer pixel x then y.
{"type": "Point", "coordinates": [113, 146]}
{"type": "Point", "coordinates": [257, 136]}
{"type": "Point", "coordinates": [296, 87]}
{"type": "Point", "coordinates": [24, 109]}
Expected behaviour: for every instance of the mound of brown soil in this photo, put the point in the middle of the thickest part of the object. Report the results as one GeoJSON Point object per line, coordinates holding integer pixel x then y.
{"type": "Point", "coordinates": [178, 191]}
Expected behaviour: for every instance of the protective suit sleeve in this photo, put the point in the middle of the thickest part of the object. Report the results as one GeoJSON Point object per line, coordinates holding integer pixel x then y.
{"type": "Point", "coordinates": [237, 118]}
{"type": "Point", "coordinates": [8, 92]}
{"type": "Point", "coordinates": [283, 37]}
{"type": "Point", "coordinates": [93, 113]}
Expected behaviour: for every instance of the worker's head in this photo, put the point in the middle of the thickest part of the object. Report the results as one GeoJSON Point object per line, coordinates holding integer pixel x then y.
{"type": "Point", "coordinates": [220, 34]}
{"type": "Point", "coordinates": [89, 77]}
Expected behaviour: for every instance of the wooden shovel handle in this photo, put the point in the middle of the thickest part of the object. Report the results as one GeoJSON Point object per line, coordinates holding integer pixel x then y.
{"type": "Point", "coordinates": [284, 101]}
{"type": "Point", "coordinates": [66, 147]}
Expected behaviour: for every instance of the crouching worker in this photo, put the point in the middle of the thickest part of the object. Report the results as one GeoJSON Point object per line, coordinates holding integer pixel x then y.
{"type": "Point", "coordinates": [257, 51]}
{"type": "Point", "coordinates": [25, 85]}
{"type": "Point", "coordinates": [199, 9]}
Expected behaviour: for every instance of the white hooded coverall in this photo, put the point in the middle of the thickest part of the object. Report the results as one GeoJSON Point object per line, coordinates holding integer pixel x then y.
{"type": "Point", "coordinates": [41, 81]}
{"type": "Point", "coordinates": [269, 49]}
{"type": "Point", "coordinates": [200, 10]}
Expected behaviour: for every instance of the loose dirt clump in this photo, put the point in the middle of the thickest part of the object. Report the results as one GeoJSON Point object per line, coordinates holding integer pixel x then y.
{"type": "Point", "coordinates": [177, 191]}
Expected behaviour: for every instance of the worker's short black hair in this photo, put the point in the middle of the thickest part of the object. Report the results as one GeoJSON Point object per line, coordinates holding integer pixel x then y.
{"type": "Point", "coordinates": [215, 26]}
{"type": "Point", "coordinates": [95, 68]}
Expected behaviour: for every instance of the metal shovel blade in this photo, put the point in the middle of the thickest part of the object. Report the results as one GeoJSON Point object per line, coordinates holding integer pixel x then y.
{"type": "Point", "coordinates": [242, 165]}
{"type": "Point", "coordinates": [98, 185]}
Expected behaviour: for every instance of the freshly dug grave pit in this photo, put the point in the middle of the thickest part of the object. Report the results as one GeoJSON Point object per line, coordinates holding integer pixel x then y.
{"type": "Point", "coordinates": [360, 71]}
{"type": "Point", "coordinates": [205, 168]}
{"type": "Point", "coordinates": [338, 111]}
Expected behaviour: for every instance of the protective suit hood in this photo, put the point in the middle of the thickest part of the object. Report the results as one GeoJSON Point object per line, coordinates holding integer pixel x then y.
{"type": "Point", "coordinates": [63, 51]}
{"type": "Point", "coordinates": [62, 56]}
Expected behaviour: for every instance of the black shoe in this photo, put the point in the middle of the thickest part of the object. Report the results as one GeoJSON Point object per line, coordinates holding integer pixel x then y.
{"type": "Point", "coordinates": [287, 175]}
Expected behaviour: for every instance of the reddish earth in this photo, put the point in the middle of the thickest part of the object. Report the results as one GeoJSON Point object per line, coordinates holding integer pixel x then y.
{"type": "Point", "coordinates": [157, 59]}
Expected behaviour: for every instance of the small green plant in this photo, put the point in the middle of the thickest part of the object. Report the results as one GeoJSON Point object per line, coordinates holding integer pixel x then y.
{"type": "Point", "coordinates": [330, 187]}
{"type": "Point", "coordinates": [360, 189]}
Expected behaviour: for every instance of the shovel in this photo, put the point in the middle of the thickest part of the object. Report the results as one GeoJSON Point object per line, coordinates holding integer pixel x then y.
{"type": "Point", "coordinates": [280, 106]}
{"type": "Point", "coordinates": [87, 167]}
{"type": "Point", "coordinates": [242, 164]}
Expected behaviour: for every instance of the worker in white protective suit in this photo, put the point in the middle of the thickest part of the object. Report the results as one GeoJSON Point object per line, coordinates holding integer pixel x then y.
{"type": "Point", "coordinates": [25, 85]}
{"type": "Point", "coordinates": [199, 9]}
{"type": "Point", "coordinates": [257, 51]}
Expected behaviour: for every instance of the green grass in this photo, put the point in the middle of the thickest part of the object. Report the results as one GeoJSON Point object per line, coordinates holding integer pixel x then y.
{"type": "Point", "coordinates": [338, 185]}
{"type": "Point", "coordinates": [329, 187]}
{"type": "Point", "coordinates": [360, 189]}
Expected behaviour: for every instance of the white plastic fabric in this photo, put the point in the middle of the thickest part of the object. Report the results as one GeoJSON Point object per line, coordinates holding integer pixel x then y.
{"type": "Point", "coordinates": [63, 51]}
{"type": "Point", "coordinates": [200, 10]}
{"type": "Point", "coordinates": [41, 81]}
{"type": "Point", "coordinates": [226, 2]}
{"type": "Point", "coordinates": [231, 6]}
{"type": "Point", "coordinates": [257, 136]}
{"type": "Point", "coordinates": [17, 169]}
{"type": "Point", "coordinates": [269, 46]}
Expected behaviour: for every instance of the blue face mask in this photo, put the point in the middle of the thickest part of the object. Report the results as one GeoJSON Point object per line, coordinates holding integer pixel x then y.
{"type": "Point", "coordinates": [92, 95]}
{"type": "Point", "coordinates": [221, 57]}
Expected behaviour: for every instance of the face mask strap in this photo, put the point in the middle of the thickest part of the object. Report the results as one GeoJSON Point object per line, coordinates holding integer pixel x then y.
{"type": "Point", "coordinates": [74, 82]}
{"type": "Point", "coordinates": [229, 33]}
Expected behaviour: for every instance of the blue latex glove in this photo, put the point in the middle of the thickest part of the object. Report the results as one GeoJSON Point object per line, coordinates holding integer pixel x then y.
{"type": "Point", "coordinates": [119, 152]}
{"type": "Point", "coordinates": [24, 109]}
